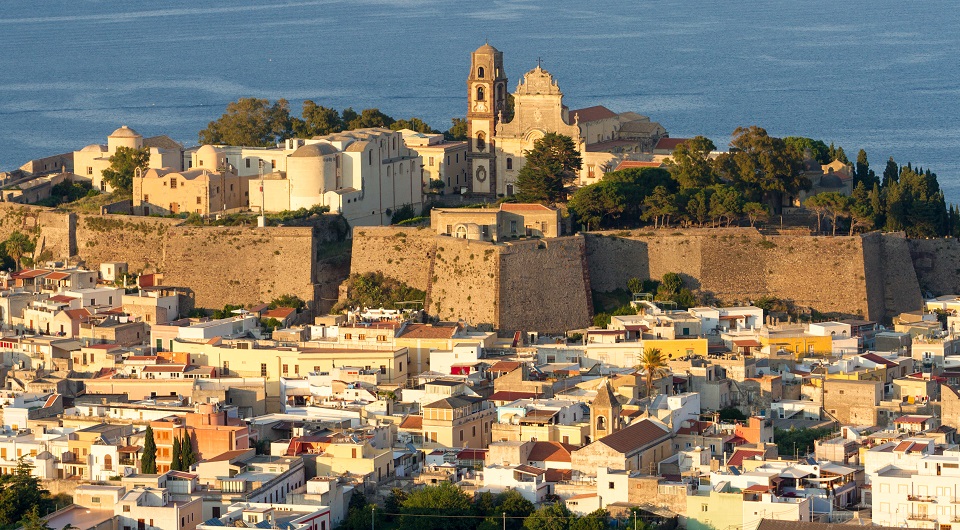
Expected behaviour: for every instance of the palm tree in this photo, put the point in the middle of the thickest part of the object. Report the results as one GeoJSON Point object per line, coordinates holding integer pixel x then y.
{"type": "Point", "coordinates": [17, 246]}
{"type": "Point", "coordinates": [654, 366]}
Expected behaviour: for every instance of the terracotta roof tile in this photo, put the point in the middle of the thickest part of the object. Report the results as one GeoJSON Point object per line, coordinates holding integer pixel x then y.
{"type": "Point", "coordinates": [427, 331]}
{"type": "Point", "coordinates": [635, 436]}
{"type": "Point", "coordinates": [594, 113]}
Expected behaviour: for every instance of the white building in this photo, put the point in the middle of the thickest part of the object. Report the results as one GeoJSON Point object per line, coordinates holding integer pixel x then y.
{"type": "Point", "coordinates": [921, 493]}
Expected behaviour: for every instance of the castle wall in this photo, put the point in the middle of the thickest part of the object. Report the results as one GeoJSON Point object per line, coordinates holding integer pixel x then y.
{"type": "Point", "coordinates": [465, 282]}
{"type": "Point", "coordinates": [740, 265]}
{"type": "Point", "coordinates": [543, 285]}
{"type": "Point", "coordinates": [222, 265]}
{"type": "Point", "coordinates": [937, 263]}
{"type": "Point", "coordinates": [398, 252]}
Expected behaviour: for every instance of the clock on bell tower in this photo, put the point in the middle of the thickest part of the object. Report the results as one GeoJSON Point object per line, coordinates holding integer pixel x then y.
{"type": "Point", "coordinates": [487, 98]}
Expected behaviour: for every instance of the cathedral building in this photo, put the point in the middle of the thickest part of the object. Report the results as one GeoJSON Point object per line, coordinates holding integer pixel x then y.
{"type": "Point", "coordinates": [499, 133]}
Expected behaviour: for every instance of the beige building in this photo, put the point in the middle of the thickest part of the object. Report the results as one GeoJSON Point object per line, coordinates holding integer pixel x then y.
{"type": "Point", "coordinates": [211, 187]}
{"type": "Point", "coordinates": [364, 174]}
{"type": "Point", "coordinates": [90, 161]}
{"type": "Point", "coordinates": [510, 221]}
{"type": "Point", "coordinates": [443, 162]}
{"type": "Point", "coordinates": [497, 141]}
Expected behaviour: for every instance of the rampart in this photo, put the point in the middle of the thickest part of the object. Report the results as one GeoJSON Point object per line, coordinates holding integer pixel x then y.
{"type": "Point", "coordinates": [237, 265]}
{"type": "Point", "coordinates": [522, 285]}
{"type": "Point", "coordinates": [544, 284]}
{"type": "Point", "coordinates": [870, 275]}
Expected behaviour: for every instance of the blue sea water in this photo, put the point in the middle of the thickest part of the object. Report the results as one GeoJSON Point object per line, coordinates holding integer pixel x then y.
{"type": "Point", "coordinates": [880, 75]}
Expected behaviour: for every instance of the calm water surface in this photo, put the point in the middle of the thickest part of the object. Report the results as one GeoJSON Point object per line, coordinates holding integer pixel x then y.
{"type": "Point", "coordinates": [873, 74]}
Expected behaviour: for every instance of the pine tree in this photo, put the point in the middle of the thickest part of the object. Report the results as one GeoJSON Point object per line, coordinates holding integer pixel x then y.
{"type": "Point", "coordinates": [148, 462]}
{"type": "Point", "coordinates": [176, 464]}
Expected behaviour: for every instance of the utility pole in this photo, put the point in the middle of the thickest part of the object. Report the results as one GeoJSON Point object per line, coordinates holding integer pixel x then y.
{"type": "Point", "coordinates": [504, 520]}
{"type": "Point", "coordinates": [373, 509]}
{"type": "Point", "coordinates": [262, 220]}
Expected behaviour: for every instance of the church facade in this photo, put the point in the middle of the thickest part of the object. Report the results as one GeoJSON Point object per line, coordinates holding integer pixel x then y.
{"type": "Point", "coordinates": [499, 135]}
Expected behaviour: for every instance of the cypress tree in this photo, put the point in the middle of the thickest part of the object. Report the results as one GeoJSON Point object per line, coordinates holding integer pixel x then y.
{"type": "Point", "coordinates": [148, 462]}
{"type": "Point", "coordinates": [176, 463]}
{"type": "Point", "coordinates": [189, 457]}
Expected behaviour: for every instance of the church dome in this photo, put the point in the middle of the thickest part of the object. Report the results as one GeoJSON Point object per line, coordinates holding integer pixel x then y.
{"type": "Point", "coordinates": [830, 180]}
{"type": "Point", "coordinates": [315, 150]}
{"type": "Point", "coordinates": [124, 132]}
{"type": "Point", "coordinates": [208, 157]}
{"type": "Point", "coordinates": [486, 48]}
{"type": "Point", "coordinates": [93, 148]}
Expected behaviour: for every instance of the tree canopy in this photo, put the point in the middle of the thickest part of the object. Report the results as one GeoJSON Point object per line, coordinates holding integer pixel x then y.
{"type": "Point", "coordinates": [251, 122]}
{"type": "Point", "coordinates": [123, 167]}
{"type": "Point", "coordinates": [374, 289]}
{"type": "Point", "coordinates": [550, 166]}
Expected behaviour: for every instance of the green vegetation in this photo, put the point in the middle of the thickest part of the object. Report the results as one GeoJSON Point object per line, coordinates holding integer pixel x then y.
{"type": "Point", "coordinates": [653, 364]}
{"type": "Point", "coordinates": [183, 455]}
{"type": "Point", "coordinates": [123, 166]}
{"type": "Point", "coordinates": [750, 182]}
{"type": "Point", "coordinates": [250, 219]}
{"type": "Point", "coordinates": [148, 461]}
{"type": "Point", "coordinates": [403, 213]}
{"type": "Point", "coordinates": [373, 290]}
{"type": "Point", "coordinates": [287, 300]}
{"type": "Point", "coordinates": [457, 131]}
{"type": "Point", "coordinates": [256, 122]}
{"type": "Point", "coordinates": [550, 167]}
{"type": "Point", "coordinates": [67, 191]}
{"type": "Point", "coordinates": [732, 414]}
{"type": "Point", "coordinates": [226, 312]}
{"type": "Point", "coordinates": [22, 499]}
{"type": "Point", "coordinates": [792, 442]}
{"type": "Point", "coordinates": [18, 248]}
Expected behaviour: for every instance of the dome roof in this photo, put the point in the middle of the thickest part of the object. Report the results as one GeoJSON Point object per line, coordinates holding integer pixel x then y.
{"type": "Point", "coordinates": [831, 181]}
{"type": "Point", "coordinates": [208, 156]}
{"type": "Point", "coordinates": [94, 148]}
{"type": "Point", "coordinates": [314, 151]}
{"type": "Point", "coordinates": [486, 48]}
{"type": "Point", "coordinates": [124, 132]}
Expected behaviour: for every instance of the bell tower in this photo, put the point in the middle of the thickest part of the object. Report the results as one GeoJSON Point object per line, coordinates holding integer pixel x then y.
{"type": "Point", "coordinates": [604, 413]}
{"type": "Point", "coordinates": [487, 101]}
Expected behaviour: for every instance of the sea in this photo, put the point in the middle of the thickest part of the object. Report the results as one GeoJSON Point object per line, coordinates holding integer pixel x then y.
{"type": "Point", "coordinates": [879, 75]}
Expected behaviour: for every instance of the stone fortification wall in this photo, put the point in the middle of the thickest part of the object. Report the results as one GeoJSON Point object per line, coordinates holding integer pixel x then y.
{"type": "Point", "coordinates": [399, 252]}
{"type": "Point", "coordinates": [522, 285]}
{"type": "Point", "coordinates": [465, 282]}
{"type": "Point", "coordinates": [544, 285]}
{"type": "Point", "coordinates": [937, 263]}
{"type": "Point", "coordinates": [739, 265]}
{"type": "Point", "coordinates": [892, 285]}
{"type": "Point", "coordinates": [237, 265]}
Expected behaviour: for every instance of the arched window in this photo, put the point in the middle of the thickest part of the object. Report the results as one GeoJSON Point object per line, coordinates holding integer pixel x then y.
{"type": "Point", "coordinates": [481, 141]}
{"type": "Point", "coordinates": [601, 423]}
{"type": "Point", "coordinates": [480, 93]}
{"type": "Point", "coordinates": [499, 92]}
{"type": "Point", "coordinates": [480, 72]}
{"type": "Point", "coordinates": [509, 163]}
{"type": "Point", "coordinates": [107, 463]}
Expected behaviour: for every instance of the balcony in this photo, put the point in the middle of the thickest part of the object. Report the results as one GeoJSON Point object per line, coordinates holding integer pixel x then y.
{"type": "Point", "coordinates": [920, 517]}
{"type": "Point", "coordinates": [921, 498]}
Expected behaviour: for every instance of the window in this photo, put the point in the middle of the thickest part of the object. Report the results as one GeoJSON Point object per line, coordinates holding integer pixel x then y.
{"type": "Point", "coordinates": [126, 507]}
{"type": "Point", "coordinates": [284, 369]}
{"type": "Point", "coordinates": [226, 367]}
{"type": "Point", "coordinates": [89, 170]}
{"type": "Point", "coordinates": [173, 183]}
{"type": "Point", "coordinates": [381, 338]}
{"type": "Point", "coordinates": [199, 201]}
{"type": "Point", "coordinates": [509, 163]}
{"type": "Point", "coordinates": [263, 369]}
{"type": "Point", "coordinates": [146, 198]}
{"type": "Point", "coordinates": [347, 336]}
{"type": "Point", "coordinates": [95, 500]}
{"type": "Point", "coordinates": [296, 369]}
{"type": "Point", "coordinates": [248, 162]}
{"type": "Point", "coordinates": [383, 370]}
{"type": "Point", "coordinates": [461, 435]}
{"type": "Point", "coordinates": [361, 337]}
{"type": "Point", "coordinates": [480, 93]}
{"type": "Point", "coordinates": [481, 141]}
{"type": "Point", "coordinates": [610, 486]}
{"type": "Point", "coordinates": [431, 160]}
{"type": "Point", "coordinates": [231, 187]}
{"type": "Point", "coordinates": [703, 507]}
{"type": "Point", "coordinates": [480, 72]}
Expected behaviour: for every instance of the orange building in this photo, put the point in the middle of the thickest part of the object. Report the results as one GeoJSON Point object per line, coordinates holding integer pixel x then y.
{"type": "Point", "coordinates": [210, 431]}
